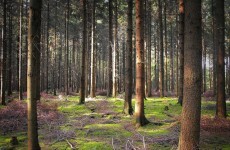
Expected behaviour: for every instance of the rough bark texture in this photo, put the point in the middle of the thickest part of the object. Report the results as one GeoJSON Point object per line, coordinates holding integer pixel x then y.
{"type": "Point", "coordinates": [128, 64]}
{"type": "Point", "coordinates": [140, 94]}
{"type": "Point", "coordinates": [190, 121]}
{"type": "Point", "coordinates": [220, 27]}
{"type": "Point", "coordinates": [34, 34]}
{"type": "Point", "coordinates": [82, 92]}
{"type": "Point", "coordinates": [161, 78]}
{"type": "Point", "coordinates": [181, 50]}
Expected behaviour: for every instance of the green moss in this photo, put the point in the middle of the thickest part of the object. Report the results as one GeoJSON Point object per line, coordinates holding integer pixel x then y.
{"type": "Point", "coordinates": [95, 146]}
{"type": "Point", "coordinates": [107, 130]}
{"type": "Point", "coordinates": [154, 130]}
{"type": "Point", "coordinates": [73, 108]}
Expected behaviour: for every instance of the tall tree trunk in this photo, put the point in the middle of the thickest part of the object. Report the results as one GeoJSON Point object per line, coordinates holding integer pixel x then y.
{"type": "Point", "coordinates": [20, 53]}
{"type": "Point", "coordinates": [214, 55]}
{"type": "Point", "coordinates": [115, 53]}
{"type": "Point", "coordinates": [140, 82]}
{"type": "Point", "coordinates": [109, 79]}
{"type": "Point", "coordinates": [161, 79]}
{"type": "Point", "coordinates": [4, 55]}
{"type": "Point", "coordinates": [128, 64]}
{"type": "Point", "coordinates": [172, 62]}
{"type": "Point", "coordinates": [67, 51]}
{"type": "Point", "coordinates": [149, 83]}
{"type": "Point", "coordinates": [191, 111]}
{"type": "Point", "coordinates": [82, 94]}
{"type": "Point", "coordinates": [47, 47]}
{"type": "Point", "coordinates": [93, 51]}
{"type": "Point", "coordinates": [220, 35]}
{"type": "Point", "coordinates": [9, 66]}
{"type": "Point", "coordinates": [34, 35]}
{"type": "Point", "coordinates": [181, 50]}
{"type": "Point", "coordinates": [166, 47]}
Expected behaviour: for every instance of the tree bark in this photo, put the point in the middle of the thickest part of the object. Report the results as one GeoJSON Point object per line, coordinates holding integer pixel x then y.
{"type": "Point", "coordinates": [109, 79]}
{"type": "Point", "coordinates": [82, 93]}
{"type": "Point", "coordinates": [140, 82]}
{"type": "Point", "coordinates": [161, 79]}
{"type": "Point", "coordinates": [220, 37]}
{"type": "Point", "coordinates": [191, 111]}
{"type": "Point", "coordinates": [128, 64]}
{"type": "Point", "coordinates": [20, 53]}
{"type": "Point", "coordinates": [4, 55]}
{"type": "Point", "coordinates": [93, 51]}
{"type": "Point", "coordinates": [34, 34]}
{"type": "Point", "coordinates": [181, 50]}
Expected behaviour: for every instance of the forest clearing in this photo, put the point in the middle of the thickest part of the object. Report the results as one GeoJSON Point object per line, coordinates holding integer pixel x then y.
{"type": "Point", "coordinates": [100, 124]}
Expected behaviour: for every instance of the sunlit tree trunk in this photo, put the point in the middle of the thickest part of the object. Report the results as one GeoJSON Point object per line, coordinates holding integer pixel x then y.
{"type": "Point", "coordinates": [191, 111]}
{"type": "Point", "coordinates": [128, 64]}
{"type": "Point", "coordinates": [140, 82]}
{"type": "Point", "coordinates": [34, 34]}
{"type": "Point", "coordinates": [220, 35]}
{"type": "Point", "coordinates": [93, 51]}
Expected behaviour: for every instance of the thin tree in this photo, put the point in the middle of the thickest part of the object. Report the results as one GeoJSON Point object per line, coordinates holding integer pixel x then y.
{"type": "Point", "coordinates": [181, 50]}
{"type": "Point", "coordinates": [82, 94]}
{"type": "Point", "coordinates": [220, 35]}
{"type": "Point", "coordinates": [191, 111]}
{"type": "Point", "coordinates": [128, 64]}
{"type": "Point", "coordinates": [4, 55]}
{"type": "Point", "coordinates": [140, 78]}
{"type": "Point", "coordinates": [109, 79]}
{"type": "Point", "coordinates": [34, 35]}
{"type": "Point", "coordinates": [20, 53]}
{"type": "Point", "coordinates": [161, 49]}
{"type": "Point", "coordinates": [93, 51]}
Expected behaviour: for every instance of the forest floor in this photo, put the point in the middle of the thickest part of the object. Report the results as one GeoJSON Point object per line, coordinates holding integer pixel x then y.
{"type": "Point", "coordinates": [101, 125]}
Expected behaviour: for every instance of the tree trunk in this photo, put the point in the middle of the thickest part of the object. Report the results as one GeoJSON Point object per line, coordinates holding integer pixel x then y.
{"type": "Point", "coordinates": [47, 47]}
{"type": "Point", "coordinates": [109, 79]}
{"type": "Point", "coordinates": [20, 53]}
{"type": "Point", "coordinates": [4, 55]}
{"type": "Point", "coordinates": [161, 79]}
{"type": "Point", "coordinates": [181, 50]}
{"type": "Point", "coordinates": [191, 111]}
{"type": "Point", "coordinates": [9, 66]}
{"type": "Point", "coordinates": [140, 82]}
{"type": "Point", "coordinates": [166, 48]}
{"type": "Point", "coordinates": [34, 34]}
{"type": "Point", "coordinates": [220, 37]}
{"type": "Point", "coordinates": [149, 83]}
{"type": "Point", "coordinates": [82, 94]}
{"type": "Point", "coordinates": [128, 64]}
{"type": "Point", "coordinates": [93, 51]}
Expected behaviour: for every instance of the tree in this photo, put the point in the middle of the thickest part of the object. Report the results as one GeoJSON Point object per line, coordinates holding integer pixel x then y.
{"type": "Point", "coordinates": [82, 94]}
{"type": "Point", "coordinates": [128, 64]}
{"type": "Point", "coordinates": [4, 55]}
{"type": "Point", "coordinates": [181, 50]}
{"type": "Point", "coordinates": [191, 110]}
{"type": "Point", "coordinates": [140, 79]}
{"type": "Point", "coordinates": [220, 35]}
{"type": "Point", "coordinates": [161, 49]}
{"type": "Point", "coordinates": [93, 51]}
{"type": "Point", "coordinates": [20, 53]}
{"type": "Point", "coordinates": [109, 88]}
{"type": "Point", "coordinates": [34, 35]}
